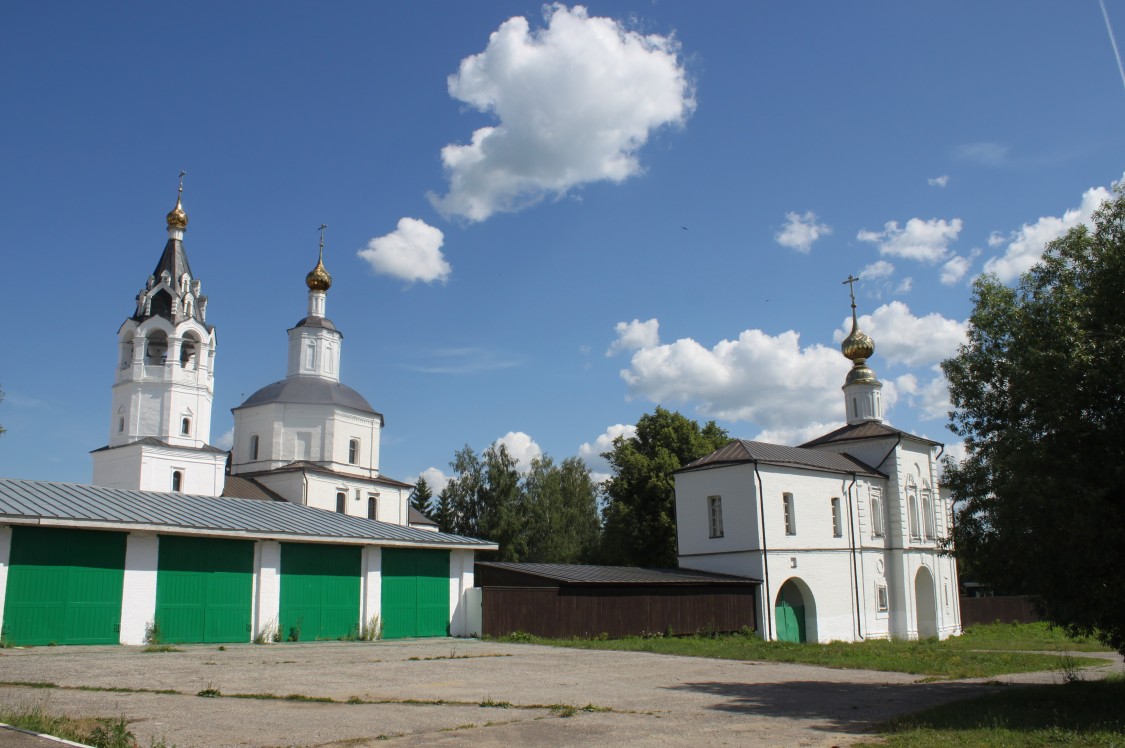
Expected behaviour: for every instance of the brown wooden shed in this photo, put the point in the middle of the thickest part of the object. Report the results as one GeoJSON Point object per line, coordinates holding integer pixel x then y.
{"type": "Point", "coordinates": [565, 600]}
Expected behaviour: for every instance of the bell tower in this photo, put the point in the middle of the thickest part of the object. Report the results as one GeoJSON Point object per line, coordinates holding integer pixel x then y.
{"type": "Point", "coordinates": [862, 401]}
{"type": "Point", "coordinates": [164, 381]}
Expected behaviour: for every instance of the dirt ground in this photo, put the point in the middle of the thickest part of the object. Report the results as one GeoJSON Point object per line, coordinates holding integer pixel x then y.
{"type": "Point", "coordinates": [491, 694]}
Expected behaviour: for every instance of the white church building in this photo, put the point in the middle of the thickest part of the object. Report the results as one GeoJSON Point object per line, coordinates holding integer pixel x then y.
{"type": "Point", "coordinates": [294, 534]}
{"type": "Point", "coordinates": [845, 531]}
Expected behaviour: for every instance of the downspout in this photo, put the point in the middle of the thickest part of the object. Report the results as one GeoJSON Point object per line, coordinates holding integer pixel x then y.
{"type": "Point", "coordinates": [855, 571]}
{"type": "Point", "coordinates": [766, 599]}
{"type": "Point", "coordinates": [305, 488]}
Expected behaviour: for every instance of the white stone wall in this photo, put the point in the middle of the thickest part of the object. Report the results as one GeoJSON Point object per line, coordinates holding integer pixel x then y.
{"type": "Point", "coordinates": [138, 592]}
{"type": "Point", "coordinates": [5, 556]}
{"type": "Point", "coordinates": [267, 588]}
{"type": "Point", "coordinates": [143, 467]}
{"type": "Point", "coordinates": [461, 580]}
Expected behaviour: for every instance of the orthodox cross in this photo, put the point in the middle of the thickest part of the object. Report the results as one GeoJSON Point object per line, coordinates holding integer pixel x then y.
{"type": "Point", "coordinates": [182, 173]}
{"type": "Point", "coordinates": [323, 226]}
{"type": "Point", "coordinates": [851, 287]}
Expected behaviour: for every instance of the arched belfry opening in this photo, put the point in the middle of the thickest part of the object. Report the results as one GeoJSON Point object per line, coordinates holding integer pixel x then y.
{"type": "Point", "coordinates": [160, 304]}
{"type": "Point", "coordinates": [189, 351]}
{"type": "Point", "coordinates": [156, 348]}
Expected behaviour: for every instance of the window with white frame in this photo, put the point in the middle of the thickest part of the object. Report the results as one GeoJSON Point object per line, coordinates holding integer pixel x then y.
{"type": "Point", "coordinates": [790, 514]}
{"type": "Point", "coordinates": [837, 518]}
{"type": "Point", "coordinates": [928, 514]}
{"type": "Point", "coordinates": [372, 506]}
{"type": "Point", "coordinates": [254, 447]}
{"type": "Point", "coordinates": [715, 514]}
{"type": "Point", "coordinates": [353, 452]}
{"type": "Point", "coordinates": [177, 481]}
{"type": "Point", "coordinates": [877, 530]}
{"type": "Point", "coordinates": [912, 508]}
{"type": "Point", "coordinates": [185, 426]}
{"type": "Point", "coordinates": [881, 601]}
{"type": "Point", "coordinates": [342, 502]}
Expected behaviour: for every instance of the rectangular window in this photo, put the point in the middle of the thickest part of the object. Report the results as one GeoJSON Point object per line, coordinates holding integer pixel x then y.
{"type": "Point", "coordinates": [928, 515]}
{"type": "Point", "coordinates": [715, 511]}
{"type": "Point", "coordinates": [876, 513]}
{"type": "Point", "coordinates": [342, 502]}
{"type": "Point", "coordinates": [372, 507]}
{"type": "Point", "coordinates": [837, 520]}
{"type": "Point", "coordinates": [310, 355]}
{"type": "Point", "coordinates": [353, 452]}
{"type": "Point", "coordinates": [881, 603]}
{"type": "Point", "coordinates": [790, 514]}
{"type": "Point", "coordinates": [254, 447]}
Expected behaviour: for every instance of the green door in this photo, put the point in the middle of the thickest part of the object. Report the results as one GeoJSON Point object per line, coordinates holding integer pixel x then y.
{"type": "Point", "coordinates": [64, 586]}
{"type": "Point", "coordinates": [319, 591]}
{"type": "Point", "coordinates": [415, 600]}
{"type": "Point", "coordinates": [790, 622]}
{"type": "Point", "coordinates": [203, 589]}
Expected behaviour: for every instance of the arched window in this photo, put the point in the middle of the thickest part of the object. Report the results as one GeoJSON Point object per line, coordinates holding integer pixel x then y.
{"type": "Point", "coordinates": [120, 424]}
{"type": "Point", "coordinates": [156, 348]}
{"type": "Point", "coordinates": [177, 481]}
{"type": "Point", "coordinates": [341, 502]}
{"type": "Point", "coordinates": [353, 452]}
{"type": "Point", "coordinates": [912, 508]}
{"type": "Point", "coordinates": [372, 507]}
{"type": "Point", "coordinates": [254, 447]}
{"type": "Point", "coordinates": [928, 515]}
{"type": "Point", "coordinates": [185, 427]}
{"type": "Point", "coordinates": [876, 512]}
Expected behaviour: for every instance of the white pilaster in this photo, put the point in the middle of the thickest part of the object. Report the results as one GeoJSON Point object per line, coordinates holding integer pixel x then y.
{"type": "Point", "coordinates": [372, 584]}
{"type": "Point", "coordinates": [267, 584]}
{"type": "Point", "coordinates": [461, 580]}
{"type": "Point", "coordinates": [138, 592]}
{"type": "Point", "coordinates": [5, 555]}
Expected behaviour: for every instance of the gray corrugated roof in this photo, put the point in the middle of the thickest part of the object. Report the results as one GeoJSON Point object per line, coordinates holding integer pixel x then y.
{"type": "Point", "coordinates": [865, 430]}
{"type": "Point", "coordinates": [417, 518]}
{"type": "Point", "coordinates": [75, 504]}
{"type": "Point", "coordinates": [310, 390]}
{"type": "Point", "coordinates": [317, 322]}
{"type": "Point", "coordinates": [241, 487]}
{"type": "Point", "coordinates": [742, 450]}
{"type": "Point", "coordinates": [319, 468]}
{"type": "Point", "coordinates": [152, 441]}
{"type": "Point", "coordinates": [588, 574]}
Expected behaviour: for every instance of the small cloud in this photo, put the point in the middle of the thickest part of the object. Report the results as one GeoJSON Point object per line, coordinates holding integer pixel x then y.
{"type": "Point", "coordinates": [925, 241]}
{"type": "Point", "coordinates": [995, 239]}
{"type": "Point", "coordinates": [801, 231]}
{"type": "Point", "coordinates": [876, 270]}
{"type": "Point", "coordinates": [905, 285]}
{"type": "Point", "coordinates": [226, 441]}
{"type": "Point", "coordinates": [957, 267]}
{"type": "Point", "coordinates": [521, 447]}
{"type": "Point", "coordinates": [412, 252]}
{"type": "Point", "coordinates": [989, 154]}
{"type": "Point", "coordinates": [591, 452]}
{"type": "Point", "coordinates": [941, 181]}
{"type": "Point", "coordinates": [435, 479]}
{"type": "Point", "coordinates": [634, 335]}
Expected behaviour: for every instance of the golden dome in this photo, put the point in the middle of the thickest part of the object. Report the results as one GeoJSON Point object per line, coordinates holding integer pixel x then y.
{"type": "Point", "coordinates": [177, 218]}
{"type": "Point", "coordinates": [318, 278]}
{"type": "Point", "coordinates": [858, 346]}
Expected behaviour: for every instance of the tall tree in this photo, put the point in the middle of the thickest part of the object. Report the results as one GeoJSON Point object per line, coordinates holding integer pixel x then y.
{"type": "Point", "coordinates": [1038, 392]}
{"type": "Point", "coordinates": [561, 512]}
{"type": "Point", "coordinates": [640, 510]}
{"type": "Point", "coordinates": [421, 496]}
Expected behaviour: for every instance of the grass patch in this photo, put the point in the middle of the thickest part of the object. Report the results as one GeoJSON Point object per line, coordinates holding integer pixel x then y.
{"type": "Point", "coordinates": [1027, 636]}
{"type": "Point", "coordinates": [161, 648]}
{"type": "Point", "coordinates": [953, 658]}
{"type": "Point", "coordinates": [101, 732]}
{"type": "Point", "coordinates": [1086, 713]}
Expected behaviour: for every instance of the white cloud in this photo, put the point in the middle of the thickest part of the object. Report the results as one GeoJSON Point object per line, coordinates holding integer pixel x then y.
{"type": "Point", "coordinates": [926, 241]}
{"type": "Point", "coordinates": [957, 267]}
{"type": "Point", "coordinates": [436, 479]}
{"type": "Point", "coordinates": [521, 447]}
{"type": "Point", "coordinates": [989, 154]}
{"type": "Point", "coordinates": [995, 239]}
{"type": "Point", "coordinates": [941, 181]}
{"type": "Point", "coordinates": [797, 434]}
{"type": "Point", "coordinates": [934, 398]}
{"type": "Point", "coordinates": [634, 335]}
{"type": "Point", "coordinates": [769, 380]}
{"type": "Point", "coordinates": [1027, 243]}
{"type": "Point", "coordinates": [574, 101]}
{"type": "Point", "coordinates": [900, 337]}
{"type": "Point", "coordinates": [876, 270]}
{"type": "Point", "coordinates": [591, 453]}
{"type": "Point", "coordinates": [904, 286]}
{"type": "Point", "coordinates": [801, 231]}
{"type": "Point", "coordinates": [411, 252]}
{"type": "Point", "coordinates": [226, 441]}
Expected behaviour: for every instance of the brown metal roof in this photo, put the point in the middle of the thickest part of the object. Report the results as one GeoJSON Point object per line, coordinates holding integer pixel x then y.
{"type": "Point", "coordinates": [742, 451]}
{"type": "Point", "coordinates": [239, 487]}
{"type": "Point", "coordinates": [589, 574]}
{"type": "Point", "coordinates": [865, 430]}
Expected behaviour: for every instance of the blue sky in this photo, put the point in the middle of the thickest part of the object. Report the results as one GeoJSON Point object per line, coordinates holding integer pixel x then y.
{"type": "Point", "coordinates": [564, 220]}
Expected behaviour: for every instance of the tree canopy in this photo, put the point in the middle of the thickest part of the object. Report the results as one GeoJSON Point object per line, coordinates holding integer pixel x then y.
{"type": "Point", "coordinates": [640, 509]}
{"type": "Point", "coordinates": [421, 496]}
{"type": "Point", "coordinates": [1038, 392]}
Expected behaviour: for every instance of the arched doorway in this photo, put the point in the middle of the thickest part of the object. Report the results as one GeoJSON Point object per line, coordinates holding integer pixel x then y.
{"type": "Point", "coordinates": [925, 607]}
{"type": "Point", "coordinates": [793, 611]}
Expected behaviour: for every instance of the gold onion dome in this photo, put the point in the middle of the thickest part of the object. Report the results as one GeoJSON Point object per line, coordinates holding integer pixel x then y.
{"type": "Point", "coordinates": [318, 278]}
{"type": "Point", "coordinates": [177, 218]}
{"type": "Point", "coordinates": [858, 346]}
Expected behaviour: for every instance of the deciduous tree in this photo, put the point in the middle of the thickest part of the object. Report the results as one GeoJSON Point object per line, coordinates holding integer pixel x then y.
{"type": "Point", "coordinates": [640, 510]}
{"type": "Point", "coordinates": [1038, 392]}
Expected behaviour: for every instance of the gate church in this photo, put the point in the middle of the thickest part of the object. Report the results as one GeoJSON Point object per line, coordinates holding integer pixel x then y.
{"type": "Point", "coordinates": [296, 533]}
{"type": "Point", "coordinates": [845, 531]}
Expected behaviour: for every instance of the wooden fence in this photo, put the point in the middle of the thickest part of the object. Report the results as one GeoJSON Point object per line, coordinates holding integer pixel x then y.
{"type": "Point", "coordinates": [1006, 609]}
{"type": "Point", "coordinates": [616, 611]}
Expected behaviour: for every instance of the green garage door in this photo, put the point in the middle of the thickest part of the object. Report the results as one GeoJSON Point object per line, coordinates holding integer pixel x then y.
{"type": "Point", "coordinates": [319, 591]}
{"type": "Point", "coordinates": [415, 593]}
{"type": "Point", "coordinates": [64, 586]}
{"type": "Point", "coordinates": [203, 589]}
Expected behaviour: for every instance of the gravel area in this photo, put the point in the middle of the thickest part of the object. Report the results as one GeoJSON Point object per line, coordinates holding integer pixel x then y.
{"type": "Point", "coordinates": [491, 694]}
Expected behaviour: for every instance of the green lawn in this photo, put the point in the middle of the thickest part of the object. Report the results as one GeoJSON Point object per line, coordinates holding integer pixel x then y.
{"type": "Point", "coordinates": [954, 658]}
{"type": "Point", "coordinates": [1068, 714]}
